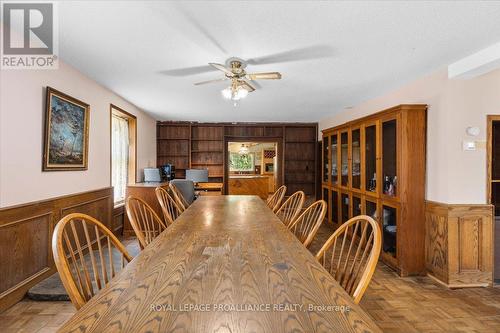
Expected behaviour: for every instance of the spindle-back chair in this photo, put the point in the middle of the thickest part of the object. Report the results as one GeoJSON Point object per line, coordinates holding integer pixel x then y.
{"type": "Point", "coordinates": [274, 201]}
{"type": "Point", "coordinates": [169, 206]}
{"type": "Point", "coordinates": [82, 272]}
{"type": "Point", "coordinates": [291, 208]}
{"type": "Point", "coordinates": [354, 269]}
{"type": "Point", "coordinates": [307, 224]}
{"type": "Point", "coordinates": [179, 198]}
{"type": "Point", "coordinates": [146, 223]}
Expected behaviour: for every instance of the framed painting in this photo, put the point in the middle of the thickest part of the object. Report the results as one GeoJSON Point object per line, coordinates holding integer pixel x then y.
{"type": "Point", "coordinates": [66, 132]}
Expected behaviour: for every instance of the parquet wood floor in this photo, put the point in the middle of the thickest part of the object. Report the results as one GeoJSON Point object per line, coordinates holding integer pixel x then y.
{"type": "Point", "coordinates": [406, 305]}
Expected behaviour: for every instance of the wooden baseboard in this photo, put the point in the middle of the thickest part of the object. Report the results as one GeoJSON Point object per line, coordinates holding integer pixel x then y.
{"type": "Point", "coordinates": [458, 244]}
{"type": "Point", "coordinates": [26, 236]}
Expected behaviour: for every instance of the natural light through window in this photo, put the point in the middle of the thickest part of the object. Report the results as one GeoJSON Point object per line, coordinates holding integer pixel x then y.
{"type": "Point", "coordinates": [120, 156]}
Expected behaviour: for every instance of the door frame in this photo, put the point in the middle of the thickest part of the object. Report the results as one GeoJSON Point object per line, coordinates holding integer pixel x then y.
{"type": "Point", "coordinates": [489, 153]}
{"type": "Point", "coordinates": [489, 162]}
{"type": "Point", "coordinates": [279, 150]}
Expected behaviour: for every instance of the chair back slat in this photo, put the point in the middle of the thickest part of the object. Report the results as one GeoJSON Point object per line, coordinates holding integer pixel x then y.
{"type": "Point", "coordinates": [291, 208]}
{"type": "Point", "coordinates": [307, 224]}
{"type": "Point", "coordinates": [169, 206]}
{"type": "Point", "coordinates": [82, 266]}
{"type": "Point", "coordinates": [97, 278]}
{"type": "Point", "coordinates": [274, 201]}
{"type": "Point", "coordinates": [83, 272]}
{"type": "Point", "coordinates": [101, 255]}
{"type": "Point", "coordinates": [179, 198]}
{"type": "Point", "coordinates": [353, 264]}
{"type": "Point", "coordinates": [146, 224]}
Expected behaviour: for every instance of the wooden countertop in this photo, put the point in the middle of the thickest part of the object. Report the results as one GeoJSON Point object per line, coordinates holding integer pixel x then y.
{"type": "Point", "coordinates": [148, 184]}
{"type": "Point", "coordinates": [247, 176]}
{"type": "Point", "coordinates": [227, 264]}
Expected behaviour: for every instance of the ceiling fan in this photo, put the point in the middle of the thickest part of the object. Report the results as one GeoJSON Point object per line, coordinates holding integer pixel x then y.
{"type": "Point", "coordinates": [234, 70]}
{"type": "Point", "coordinates": [242, 82]}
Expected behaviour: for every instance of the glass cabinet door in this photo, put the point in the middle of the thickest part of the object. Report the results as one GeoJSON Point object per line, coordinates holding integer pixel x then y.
{"type": "Point", "coordinates": [334, 203]}
{"type": "Point", "coordinates": [327, 199]}
{"type": "Point", "coordinates": [389, 230]}
{"type": "Point", "coordinates": [344, 165]}
{"type": "Point", "coordinates": [344, 206]}
{"type": "Point", "coordinates": [326, 145]}
{"type": "Point", "coordinates": [371, 209]}
{"type": "Point", "coordinates": [356, 211]}
{"type": "Point", "coordinates": [334, 151]}
{"type": "Point", "coordinates": [356, 206]}
{"type": "Point", "coordinates": [389, 161]}
{"type": "Point", "coordinates": [356, 158]}
{"type": "Point", "coordinates": [371, 158]}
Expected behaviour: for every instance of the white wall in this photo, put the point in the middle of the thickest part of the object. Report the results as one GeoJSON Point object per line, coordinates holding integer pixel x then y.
{"type": "Point", "coordinates": [22, 109]}
{"type": "Point", "coordinates": [453, 175]}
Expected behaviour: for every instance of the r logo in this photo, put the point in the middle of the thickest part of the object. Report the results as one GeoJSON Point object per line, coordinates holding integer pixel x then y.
{"type": "Point", "coordinates": [28, 28]}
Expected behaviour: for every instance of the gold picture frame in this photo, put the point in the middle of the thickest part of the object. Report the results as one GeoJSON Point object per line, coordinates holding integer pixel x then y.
{"type": "Point", "coordinates": [66, 137]}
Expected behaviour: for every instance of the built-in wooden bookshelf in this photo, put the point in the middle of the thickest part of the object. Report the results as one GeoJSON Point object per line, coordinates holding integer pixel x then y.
{"type": "Point", "coordinates": [376, 166]}
{"type": "Point", "coordinates": [202, 145]}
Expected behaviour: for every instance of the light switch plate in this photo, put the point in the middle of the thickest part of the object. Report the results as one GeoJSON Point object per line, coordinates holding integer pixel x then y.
{"type": "Point", "coordinates": [468, 145]}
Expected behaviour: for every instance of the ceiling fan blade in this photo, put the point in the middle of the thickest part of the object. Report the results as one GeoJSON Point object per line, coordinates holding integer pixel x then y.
{"type": "Point", "coordinates": [264, 76]}
{"type": "Point", "coordinates": [221, 68]}
{"type": "Point", "coordinates": [210, 81]}
{"type": "Point", "coordinates": [246, 85]}
{"type": "Point", "coordinates": [188, 71]}
{"type": "Point", "coordinates": [305, 53]}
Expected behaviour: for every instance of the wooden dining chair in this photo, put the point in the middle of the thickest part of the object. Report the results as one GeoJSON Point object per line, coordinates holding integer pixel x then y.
{"type": "Point", "coordinates": [145, 222]}
{"type": "Point", "coordinates": [274, 201]}
{"type": "Point", "coordinates": [179, 198]}
{"type": "Point", "coordinates": [84, 275]}
{"type": "Point", "coordinates": [291, 208]}
{"type": "Point", "coordinates": [169, 206]}
{"type": "Point", "coordinates": [353, 263]}
{"type": "Point", "coordinates": [307, 224]}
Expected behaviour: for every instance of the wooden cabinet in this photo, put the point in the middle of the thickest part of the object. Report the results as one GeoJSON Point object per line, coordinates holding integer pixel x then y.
{"type": "Point", "coordinates": [146, 192]}
{"type": "Point", "coordinates": [203, 145]}
{"type": "Point", "coordinates": [203, 189]}
{"type": "Point", "coordinates": [459, 249]}
{"type": "Point", "coordinates": [376, 166]}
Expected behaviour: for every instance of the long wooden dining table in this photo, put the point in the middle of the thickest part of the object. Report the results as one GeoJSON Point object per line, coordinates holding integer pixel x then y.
{"type": "Point", "coordinates": [227, 264]}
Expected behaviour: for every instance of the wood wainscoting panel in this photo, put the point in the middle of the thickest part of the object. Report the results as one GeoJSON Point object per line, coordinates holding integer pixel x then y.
{"type": "Point", "coordinates": [26, 236]}
{"type": "Point", "coordinates": [436, 244]}
{"type": "Point", "coordinates": [459, 249]}
{"type": "Point", "coordinates": [118, 220]}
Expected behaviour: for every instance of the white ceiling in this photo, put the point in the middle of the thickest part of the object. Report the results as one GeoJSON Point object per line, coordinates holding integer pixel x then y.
{"type": "Point", "coordinates": [374, 47]}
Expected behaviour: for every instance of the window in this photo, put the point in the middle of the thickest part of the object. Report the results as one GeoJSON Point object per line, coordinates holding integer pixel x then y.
{"type": "Point", "coordinates": [241, 162]}
{"type": "Point", "coordinates": [123, 151]}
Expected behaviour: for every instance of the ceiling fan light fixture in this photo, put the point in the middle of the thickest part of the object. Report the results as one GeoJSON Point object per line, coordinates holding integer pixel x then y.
{"type": "Point", "coordinates": [227, 93]}
{"type": "Point", "coordinates": [243, 150]}
{"type": "Point", "coordinates": [234, 94]}
{"type": "Point", "coordinates": [241, 92]}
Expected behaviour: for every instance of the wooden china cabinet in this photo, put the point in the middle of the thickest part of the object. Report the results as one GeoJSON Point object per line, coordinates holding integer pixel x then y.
{"type": "Point", "coordinates": [376, 166]}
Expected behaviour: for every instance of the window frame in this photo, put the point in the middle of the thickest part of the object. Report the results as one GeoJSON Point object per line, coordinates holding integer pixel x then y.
{"type": "Point", "coordinates": [132, 150]}
{"type": "Point", "coordinates": [252, 154]}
